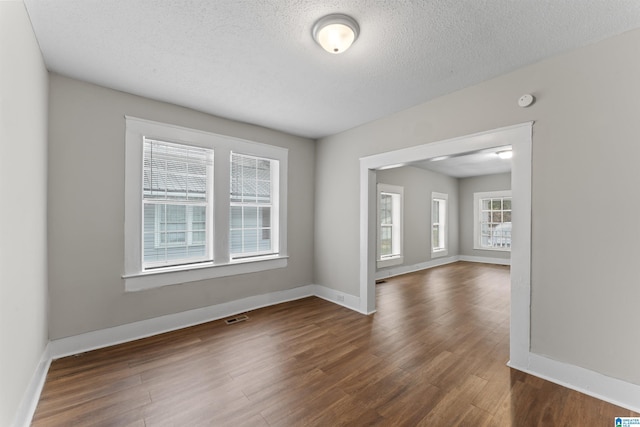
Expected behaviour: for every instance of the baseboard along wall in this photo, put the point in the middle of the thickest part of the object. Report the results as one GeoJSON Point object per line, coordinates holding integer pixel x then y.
{"type": "Point", "coordinates": [609, 389]}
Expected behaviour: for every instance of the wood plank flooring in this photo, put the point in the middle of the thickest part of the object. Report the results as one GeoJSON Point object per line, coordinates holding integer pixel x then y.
{"type": "Point", "coordinates": [433, 355]}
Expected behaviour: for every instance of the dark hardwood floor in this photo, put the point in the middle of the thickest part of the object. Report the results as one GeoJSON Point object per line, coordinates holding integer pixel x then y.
{"type": "Point", "coordinates": [433, 355]}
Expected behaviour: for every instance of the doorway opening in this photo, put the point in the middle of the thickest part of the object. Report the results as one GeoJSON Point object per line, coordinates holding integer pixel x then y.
{"type": "Point", "coordinates": [519, 137]}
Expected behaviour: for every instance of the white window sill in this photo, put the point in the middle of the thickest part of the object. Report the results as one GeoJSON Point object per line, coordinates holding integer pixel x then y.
{"type": "Point", "coordinates": [439, 253]}
{"type": "Point", "coordinates": [478, 248]}
{"type": "Point", "coordinates": [388, 262]}
{"type": "Point", "coordinates": [177, 275]}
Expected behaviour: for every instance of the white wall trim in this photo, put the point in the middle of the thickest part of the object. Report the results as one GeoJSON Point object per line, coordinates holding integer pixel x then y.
{"type": "Point", "coordinates": [346, 300]}
{"type": "Point", "coordinates": [145, 328]}
{"type": "Point", "coordinates": [404, 269]}
{"type": "Point", "coordinates": [612, 390]}
{"type": "Point", "coordinates": [485, 260]}
{"type": "Point", "coordinates": [30, 399]}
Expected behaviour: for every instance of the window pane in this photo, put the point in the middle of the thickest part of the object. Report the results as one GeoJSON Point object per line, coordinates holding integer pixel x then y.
{"type": "Point", "coordinates": [251, 210]}
{"type": "Point", "coordinates": [249, 179]}
{"type": "Point", "coordinates": [264, 217]}
{"type": "Point", "coordinates": [174, 177]}
{"type": "Point", "coordinates": [198, 238]}
{"type": "Point", "coordinates": [250, 240]}
{"type": "Point", "coordinates": [435, 209]}
{"type": "Point", "coordinates": [235, 238]}
{"type": "Point", "coordinates": [264, 170]}
{"type": "Point", "coordinates": [265, 241]}
{"type": "Point", "coordinates": [236, 217]}
{"type": "Point", "coordinates": [435, 236]}
{"type": "Point", "coordinates": [174, 171]}
{"type": "Point", "coordinates": [250, 217]}
{"type": "Point", "coordinates": [385, 241]}
{"type": "Point", "coordinates": [264, 192]}
{"type": "Point", "coordinates": [197, 186]}
{"type": "Point", "coordinates": [236, 180]}
{"type": "Point", "coordinates": [199, 214]}
{"type": "Point", "coordinates": [385, 208]}
{"type": "Point", "coordinates": [495, 222]}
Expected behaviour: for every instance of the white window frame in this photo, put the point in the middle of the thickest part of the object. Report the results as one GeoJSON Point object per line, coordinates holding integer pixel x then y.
{"type": "Point", "coordinates": [135, 277]}
{"type": "Point", "coordinates": [274, 212]}
{"type": "Point", "coordinates": [397, 227]}
{"type": "Point", "coordinates": [207, 203]}
{"type": "Point", "coordinates": [477, 229]}
{"type": "Point", "coordinates": [443, 224]}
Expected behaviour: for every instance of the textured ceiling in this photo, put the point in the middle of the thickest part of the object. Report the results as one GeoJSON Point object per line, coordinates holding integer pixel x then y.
{"type": "Point", "coordinates": [255, 60]}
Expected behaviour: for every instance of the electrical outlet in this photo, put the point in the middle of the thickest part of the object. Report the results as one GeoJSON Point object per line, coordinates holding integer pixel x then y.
{"type": "Point", "coordinates": [340, 298]}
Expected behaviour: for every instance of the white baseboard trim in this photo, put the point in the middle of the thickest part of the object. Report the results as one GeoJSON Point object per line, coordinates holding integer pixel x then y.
{"type": "Point", "coordinates": [609, 389]}
{"type": "Point", "coordinates": [485, 260]}
{"type": "Point", "coordinates": [30, 399]}
{"type": "Point", "coordinates": [404, 269]}
{"type": "Point", "coordinates": [132, 331]}
{"type": "Point", "coordinates": [612, 390]}
{"type": "Point", "coordinates": [337, 297]}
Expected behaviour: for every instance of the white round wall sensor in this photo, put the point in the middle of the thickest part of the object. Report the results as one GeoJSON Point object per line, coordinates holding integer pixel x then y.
{"type": "Point", "coordinates": [525, 100]}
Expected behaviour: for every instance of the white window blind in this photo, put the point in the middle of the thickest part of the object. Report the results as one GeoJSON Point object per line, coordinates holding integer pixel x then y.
{"type": "Point", "coordinates": [253, 212]}
{"type": "Point", "coordinates": [177, 201]}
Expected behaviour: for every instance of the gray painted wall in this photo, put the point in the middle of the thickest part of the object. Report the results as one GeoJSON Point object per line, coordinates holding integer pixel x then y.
{"type": "Point", "coordinates": [23, 217]}
{"type": "Point", "coordinates": [418, 185]}
{"type": "Point", "coordinates": [86, 212]}
{"type": "Point", "coordinates": [468, 186]}
{"type": "Point", "coordinates": [584, 288]}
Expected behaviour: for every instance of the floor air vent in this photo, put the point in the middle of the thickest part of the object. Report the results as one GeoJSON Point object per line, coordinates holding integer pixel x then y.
{"type": "Point", "coordinates": [236, 319]}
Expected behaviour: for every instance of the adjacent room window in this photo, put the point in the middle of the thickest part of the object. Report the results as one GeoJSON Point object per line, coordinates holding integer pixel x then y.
{"type": "Point", "coordinates": [254, 220]}
{"type": "Point", "coordinates": [390, 225]}
{"type": "Point", "coordinates": [492, 220]}
{"type": "Point", "coordinates": [200, 205]}
{"type": "Point", "coordinates": [439, 224]}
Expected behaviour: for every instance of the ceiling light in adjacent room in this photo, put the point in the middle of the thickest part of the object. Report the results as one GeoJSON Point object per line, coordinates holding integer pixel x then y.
{"type": "Point", "coordinates": [336, 33]}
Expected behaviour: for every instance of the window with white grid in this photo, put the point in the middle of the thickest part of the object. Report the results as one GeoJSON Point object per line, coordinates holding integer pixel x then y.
{"type": "Point", "coordinates": [492, 220]}
{"type": "Point", "coordinates": [253, 219]}
{"type": "Point", "coordinates": [191, 215]}
{"type": "Point", "coordinates": [177, 208]}
{"type": "Point", "coordinates": [439, 224]}
{"type": "Point", "coordinates": [389, 225]}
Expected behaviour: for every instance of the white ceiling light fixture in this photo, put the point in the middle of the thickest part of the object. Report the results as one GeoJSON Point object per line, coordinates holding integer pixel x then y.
{"type": "Point", "coordinates": [335, 32]}
{"type": "Point", "coordinates": [506, 154]}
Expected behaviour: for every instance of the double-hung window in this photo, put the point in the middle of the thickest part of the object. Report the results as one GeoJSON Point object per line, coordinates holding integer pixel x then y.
{"type": "Point", "coordinates": [492, 220]}
{"type": "Point", "coordinates": [177, 204]}
{"type": "Point", "coordinates": [254, 213]}
{"type": "Point", "coordinates": [389, 225]}
{"type": "Point", "coordinates": [200, 205]}
{"type": "Point", "coordinates": [439, 234]}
